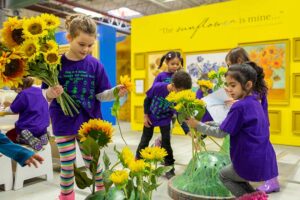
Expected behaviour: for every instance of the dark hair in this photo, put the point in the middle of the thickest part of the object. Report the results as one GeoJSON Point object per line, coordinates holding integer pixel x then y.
{"type": "Point", "coordinates": [243, 73]}
{"type": "Point", "coordinates": [182, 80]}
{"type": "Point", "coordinates": [27, 82]}
{"type": "Point", "coordinates": [169, 56]}
{"type": "Point", "coordinates": [237, 55]}
{"type": "Point", "coordinates": [260, 86]}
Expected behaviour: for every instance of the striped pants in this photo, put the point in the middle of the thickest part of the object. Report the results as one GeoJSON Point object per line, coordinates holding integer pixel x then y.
{"type": "Point", "coordinates": [66, 147]}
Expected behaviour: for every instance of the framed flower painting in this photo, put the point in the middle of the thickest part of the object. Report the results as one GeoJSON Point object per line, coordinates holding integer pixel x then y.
{"type": "Point", "coordinates": [273, 57]}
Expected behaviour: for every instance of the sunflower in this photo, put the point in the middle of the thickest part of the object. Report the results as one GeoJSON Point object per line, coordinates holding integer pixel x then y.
{"type": "Point", "coordinates": [125, 80]}
{"type": "Point", "coordinates": [52, 57]}
{"type": "Point", "coordinates": [119, 177]}
{"type": "Point", "coordinates": [222, 70]}
{"type": "Point", "coordinates": [52, 22]}
{"type": "Point", "coordinates": [49, 45]}
{"type": "Point", "coordinates": [98, 129]}
{"type": "Point", "coordinates": [12, 32]}
{"type": "Point", "coordinates": [137, 166]}
{"type": "Point", "coordinates": [126, 156]}
{"type": "Point", "coordinates": [34, 27]}
{"type": "Point", "coordinates": [205, 83]}
{"type": "Point", "coordinates": [212, 74]}
{"type": "Point", "coordinates": [13, 68]}
{"type": "Point", "coordinates": [153, 154]}
{"type": "Point", "coordinates": [30, 49]}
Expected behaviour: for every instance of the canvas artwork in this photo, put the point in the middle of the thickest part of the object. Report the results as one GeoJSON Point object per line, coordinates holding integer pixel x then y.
{"type": "Point", "coordinates": [273, 58]}
{"type": "Point", "coordinates": [202, 63]}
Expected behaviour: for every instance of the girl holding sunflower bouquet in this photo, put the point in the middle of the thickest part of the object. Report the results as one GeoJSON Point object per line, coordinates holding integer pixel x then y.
{"type": "Point", "coordinates": [83, 77]}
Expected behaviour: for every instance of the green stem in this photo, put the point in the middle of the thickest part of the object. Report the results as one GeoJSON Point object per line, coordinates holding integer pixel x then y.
{"type": "Point", "coordinates": [217, 143]}
{"type": "Point", "coordinates": [117, 118]}
{"type": "Point", "coordinates": [116, 164]}
{"type": "Point", "coordinates": [125, 192]}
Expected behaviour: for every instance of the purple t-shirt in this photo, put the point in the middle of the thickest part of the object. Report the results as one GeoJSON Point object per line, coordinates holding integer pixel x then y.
{"type": "Point", "coordinates": [33, 111]}
{"type": "Point", "coordinates": [165, 77]}
{"type": "Point", "coordinates": [82, 80]}
{"type": "Point", "coordinates": [160, 111]}
{"type": "Point", "coordinates": [206, 117]}
{"type": "Point", "coordinates": [251, 152]}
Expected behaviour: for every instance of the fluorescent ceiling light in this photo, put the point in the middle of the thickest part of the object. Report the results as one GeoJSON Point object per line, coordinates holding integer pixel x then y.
{"type": "Point", "coordinates": [124, 12]}
{"type": "Point", "coordinates": [87, 12]}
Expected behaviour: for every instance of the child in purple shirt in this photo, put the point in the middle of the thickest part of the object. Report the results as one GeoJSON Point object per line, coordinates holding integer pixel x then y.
{"type": "Point", "coordinates": [31, 127]}
{"type": "Point", "coordinates": [239, 55]}
{"type": "Point", "coordinates": [252, 155]}
{"type": "Point", "coordinates": [160, 114]}
{"type": "Point", "coordinates": [174, 62]}
{"type": "Point", "coordinates": [83, 77]}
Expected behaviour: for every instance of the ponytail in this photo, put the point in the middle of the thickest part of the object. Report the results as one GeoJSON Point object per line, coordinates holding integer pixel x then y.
{"type": "Point", "coordinates": [260, 86]}
{"type": "Point", "coordinates": [162, 61]}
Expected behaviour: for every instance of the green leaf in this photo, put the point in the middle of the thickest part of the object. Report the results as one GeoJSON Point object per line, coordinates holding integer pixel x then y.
{"type": "Point", "coordinates": [162, 170]}
{"type": "Point", "coordinates": [81, 179]}
{"type": "Point", "coordinates": [106, 161]}
{"type": "Point", "coordinates": [149, 187]}
{"type": "Point", "coordinates": [106, 180]}
{"type": "Point", "coordinates": [99, 195]}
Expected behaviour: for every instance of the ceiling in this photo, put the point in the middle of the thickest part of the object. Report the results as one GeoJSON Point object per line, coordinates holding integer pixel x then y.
{"type": "Point", "coordinates": [62, 8]}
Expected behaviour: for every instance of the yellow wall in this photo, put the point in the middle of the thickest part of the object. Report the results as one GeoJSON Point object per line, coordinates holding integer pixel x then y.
{"type": "Point", "coordinates": [223, 26]}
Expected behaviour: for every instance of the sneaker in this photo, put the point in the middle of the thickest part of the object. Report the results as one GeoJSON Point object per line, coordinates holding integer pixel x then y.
{"type": "Point", "coordinates": [170, 173]}
{"type": "Point", "coordinates": [44, 139]}
{"type": "Point", "coordinates": [26, 137]}
{"type": "Point", "coordinates": [270, 186]}
{"type": "Point", "coordinates": [157, 142]}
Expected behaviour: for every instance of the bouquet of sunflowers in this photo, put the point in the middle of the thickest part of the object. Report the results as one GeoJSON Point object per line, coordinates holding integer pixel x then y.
{"type": "Point", "coordinates": [28, 47]}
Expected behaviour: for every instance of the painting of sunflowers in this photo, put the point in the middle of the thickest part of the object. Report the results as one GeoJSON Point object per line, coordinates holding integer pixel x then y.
{"type": "Point", "coordinates": [153, 60]}
{"type": "Point", "coordinates": [273, 58]}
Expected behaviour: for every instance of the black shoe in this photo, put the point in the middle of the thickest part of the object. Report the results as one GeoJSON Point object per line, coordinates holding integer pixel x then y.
{"type": "Point", "coordinates": [170, 173]}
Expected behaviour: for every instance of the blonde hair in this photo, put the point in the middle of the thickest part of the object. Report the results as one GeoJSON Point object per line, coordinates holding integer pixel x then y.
{"type": "Point", "coordinates": [78, 22]}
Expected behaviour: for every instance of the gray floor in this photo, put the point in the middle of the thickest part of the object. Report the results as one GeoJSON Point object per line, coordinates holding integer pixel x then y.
{"type": "Point", "coordinates": [288, 161]}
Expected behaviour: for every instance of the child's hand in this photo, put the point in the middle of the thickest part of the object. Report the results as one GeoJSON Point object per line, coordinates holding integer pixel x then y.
{"type": "Point", "coordinates": [192, 122]}
{"type": "Point", "coordinates": [229, 102]}
{"type": "Point", "coordinates": [122, 90]}
{"type": "Point", "coordinates": [147, 121]}
{"type": "Point", "coordinates": [54, 92]}
{"type": "Point", "coordinates": [33, 159]}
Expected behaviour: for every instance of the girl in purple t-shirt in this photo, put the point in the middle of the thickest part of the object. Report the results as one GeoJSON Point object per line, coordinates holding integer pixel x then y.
{"type": "Point", "coordinates": [31, 127]}
{"type": "Point", "coordinates": [252, 155]}
{"type": "Point", "coordinates": [84, 79]}
{"type": "Point", "coordinates": [239, 55]}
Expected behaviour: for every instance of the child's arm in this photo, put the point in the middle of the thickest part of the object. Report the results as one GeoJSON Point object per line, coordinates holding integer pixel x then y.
{"type": "Point", "coordinates": [108, 95]}
{"type": "Point", "coordinates": [206, 129]}
{"type": "Point", "coordinates": [18, 153]}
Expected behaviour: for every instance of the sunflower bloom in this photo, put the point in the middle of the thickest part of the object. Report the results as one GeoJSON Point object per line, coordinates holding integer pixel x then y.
{"type": "Point", "coordinates": [125, 80]}
{"type": "Point", "coordinates": [127, 155]}
{"type": "Point", "coordinates": [52, 57]}
{"type": "Point", "coordinates": [178, 107]}
{"type": "Point", "coordinates": [12, 68]}
{"type": "Point", "coordinates": [119, 177]}
{"type": "Point", "coordinates": [205, 83]}
{"type": "Point", "coordinates": [222, 70]}
{"type": "Point", "coordinates": [199, 102]}
{"type": "Point", "coordinates": [30, 48]}
{"type": "Point", "coordinates": [153, 153]}
{"type": "Point", "coordinates": [12, 34]}
{"type": "Point", "coordinates": [49, 45]}
{"type": "Point", "coordinates": [98, 129]}
{"type": "Point", "coordinates": [52, 22]}
{"type": "Point", "coordinates": [137, 166]}
{"type": "Point", "coordinates": [34, 27]}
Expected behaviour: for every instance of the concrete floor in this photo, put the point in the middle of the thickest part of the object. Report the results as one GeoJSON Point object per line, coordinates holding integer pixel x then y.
{"type": "Point", "coordinates": [288, 162]}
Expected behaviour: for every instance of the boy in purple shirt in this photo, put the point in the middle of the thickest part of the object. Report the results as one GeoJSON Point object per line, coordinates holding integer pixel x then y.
{"type": "Point", "coordinates": [160, 114]}
{"type": "Point", "coordinates": [31, 127]}
{"type": "Point", "coordinates": [252, 155]}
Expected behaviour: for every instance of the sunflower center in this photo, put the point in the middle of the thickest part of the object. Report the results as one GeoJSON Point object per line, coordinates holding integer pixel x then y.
{"type": "Point", "coordinates": [17, 36]}
{"type": "Point", "coordinates": [45, 47]}
{"type": "Point", "coordinates": [52, 57]}
{"type": "Point", "coordinates": [35, 29]}
{"type": "Point", "coordinates": [31, 49]}
{"type": "Point", "coordinates": [12, 68]}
